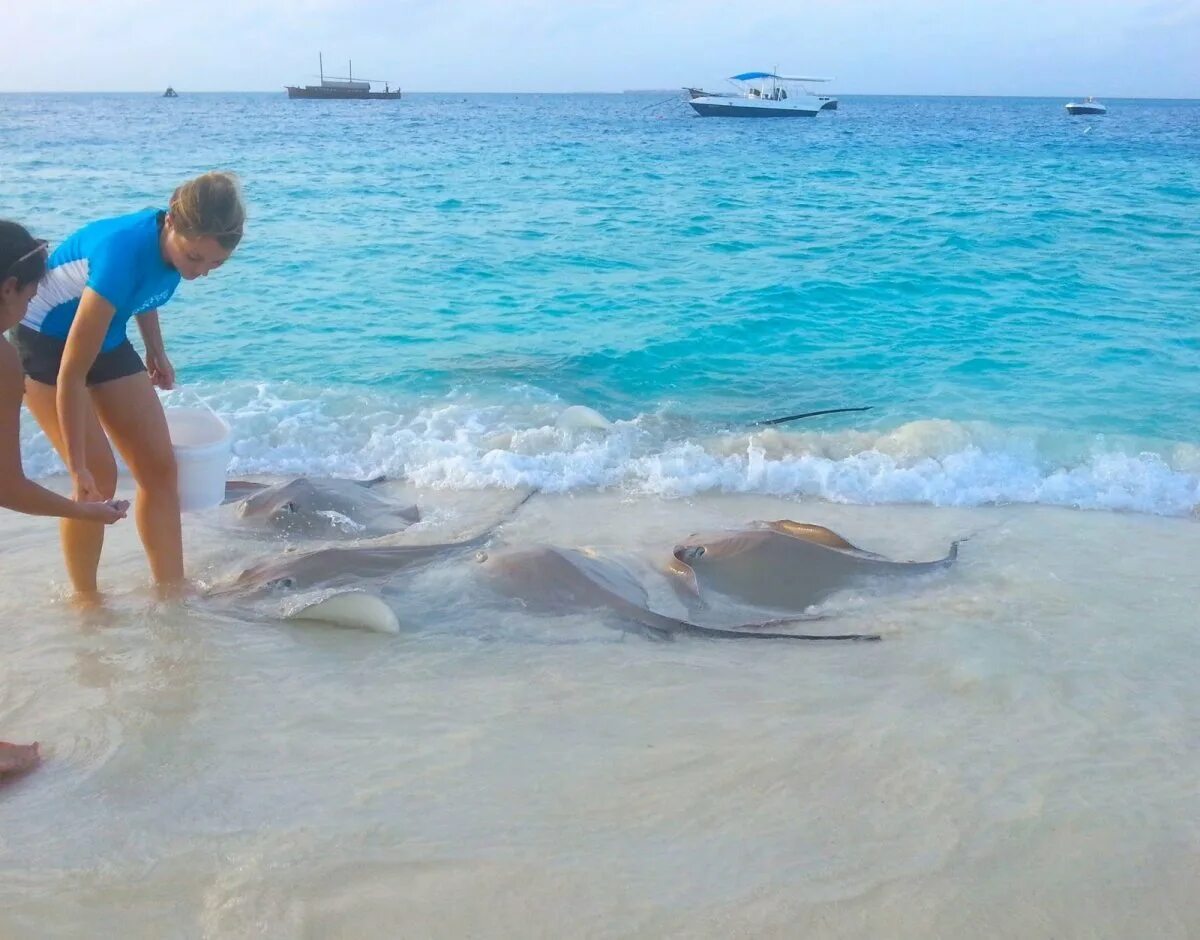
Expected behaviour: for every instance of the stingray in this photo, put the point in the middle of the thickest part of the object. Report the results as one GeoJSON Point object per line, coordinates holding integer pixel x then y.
{"type": "Point", "coordinates": [581, 418]}
{"type": "Point", "coordinates": [341, 567]}
{"type": "Point", "coordinates": [360, 610]}
{"type": "Point", "coordinates": [554, 580]}
{"type": "Point", "coordinates": [337, 567]}
{"type": "Point", "coordinates": [326, 585]}
{"type": "Point", "coordinates": [786, 565]}
{"type": "Point", "coordinates": [320, 508]}
{"type": "Point", "coordinates": [339, 607]}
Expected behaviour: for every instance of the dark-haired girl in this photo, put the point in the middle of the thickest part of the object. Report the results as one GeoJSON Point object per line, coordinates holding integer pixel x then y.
{"type": "Point", "coordinates": [22, 264]}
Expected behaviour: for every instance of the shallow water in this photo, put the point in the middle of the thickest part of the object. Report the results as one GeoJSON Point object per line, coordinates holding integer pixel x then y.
{"type": "Point", "coordinates": [1015, 758]}
{"type": "Point", "coordinates": [426, 283]}
{"type": "Point", "coordinates": [424, 289]}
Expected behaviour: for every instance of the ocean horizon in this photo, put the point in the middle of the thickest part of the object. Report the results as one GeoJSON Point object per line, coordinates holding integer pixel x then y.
{"type": "Point", "coordinates": [1044, 96]}
{"type": "Point", "coordinates": [538, 743]}
{"type": "Point", "coordinates": [426, 284]}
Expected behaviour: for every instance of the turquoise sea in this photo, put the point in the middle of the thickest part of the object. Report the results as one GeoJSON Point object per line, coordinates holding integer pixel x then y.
{"type": "Point", "coordinates": [426, 284]}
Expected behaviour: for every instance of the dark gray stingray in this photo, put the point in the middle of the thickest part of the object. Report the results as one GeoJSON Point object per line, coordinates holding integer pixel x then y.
{"type": "Point", "coordinates": [554, 580]}
{"type": "Point", "coordinates": [338, 567]}
{"type": "Point", "coordinates": [320, 508]}
{"type": "Point", "coordinates": [786, 565]}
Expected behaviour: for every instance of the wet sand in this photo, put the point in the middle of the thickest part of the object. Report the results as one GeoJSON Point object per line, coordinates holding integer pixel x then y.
{"type": "Point", "coordinates": [1017, 757]}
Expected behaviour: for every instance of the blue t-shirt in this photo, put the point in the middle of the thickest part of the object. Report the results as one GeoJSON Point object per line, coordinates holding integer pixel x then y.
{"type": "Point", "coordinates": [120, 260]}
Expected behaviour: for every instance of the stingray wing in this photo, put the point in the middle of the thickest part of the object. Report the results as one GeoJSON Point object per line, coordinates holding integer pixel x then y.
{"type": "Point", "coordinates": [818, 534]}
{"type": "Point", "coordinates": [683, 579]}
{"type": "Point", "coordinates": [355, 609]}
{"type": "Point", "coordinates": [237, 490]}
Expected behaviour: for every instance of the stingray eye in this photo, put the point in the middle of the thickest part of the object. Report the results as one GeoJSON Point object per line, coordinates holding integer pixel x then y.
{"type": "Point", "coordinates": [281, 583]}
{"type": "Point", "coordinates": [290, 507]}
{"type": "Point", "coordinates": [698, 551]}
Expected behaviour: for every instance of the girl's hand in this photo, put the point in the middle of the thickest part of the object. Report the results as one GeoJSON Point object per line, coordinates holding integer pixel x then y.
{"type": "Point", "coordinates": [85, 489]}
{"type": "Point", "coordinates": [108, 512]}
{"type": "Point", "coordinates": [162, 373]}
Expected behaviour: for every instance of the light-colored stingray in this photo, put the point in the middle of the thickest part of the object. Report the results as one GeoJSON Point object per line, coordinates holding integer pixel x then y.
{"type": "Point", "coordinates": [554, 580]}
{"type": "Point", "coordinates": [785, 565]}
{"type": "Point", "coordinates": [360, 610]}
{"type": "Point", "coordinates": [321, 508]}
{"type": "Point", "coordinates": [581, 417]}
{"type": "Point", "coordinates": [340, 607]}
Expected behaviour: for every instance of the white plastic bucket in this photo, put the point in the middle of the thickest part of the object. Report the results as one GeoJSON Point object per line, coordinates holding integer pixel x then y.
{"type": "Point", "coordinates": [202, 450]}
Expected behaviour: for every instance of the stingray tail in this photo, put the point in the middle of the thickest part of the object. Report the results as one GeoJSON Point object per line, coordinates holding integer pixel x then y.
{"type": "Point", "coordinates": [752, 635]}
{"type": "Point", "coordinates": [810, 414]}
{"type": "Point", "coordinates": [666, 627]}
{"type": "Point", "coordinates": [947, 562]}
{"type": "Point", "coordinates": [779, 622]}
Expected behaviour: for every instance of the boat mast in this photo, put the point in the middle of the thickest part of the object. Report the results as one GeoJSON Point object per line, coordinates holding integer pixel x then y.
{"type": "Point", "coordinates": [321, 65]}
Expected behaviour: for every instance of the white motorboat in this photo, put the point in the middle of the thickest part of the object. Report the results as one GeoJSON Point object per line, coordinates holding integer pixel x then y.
{"type": "Point", "coordinates": [763, 94]}
{"type": "Point", "coordinates": [1088, 105]}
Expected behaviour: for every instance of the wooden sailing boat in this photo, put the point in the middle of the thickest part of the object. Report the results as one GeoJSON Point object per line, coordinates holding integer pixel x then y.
{"type": "Point", "coordinates": [343, 88]}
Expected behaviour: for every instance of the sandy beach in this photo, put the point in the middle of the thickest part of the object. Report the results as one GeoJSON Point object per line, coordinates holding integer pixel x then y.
{"type": "Point", "coordinates": [1016, 758]}
{"type": "Point", "coordinates": [544, 351]}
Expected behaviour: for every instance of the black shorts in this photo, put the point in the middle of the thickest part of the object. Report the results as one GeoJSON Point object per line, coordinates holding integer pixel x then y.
{"type": "Point", "coordinates": [41, 355]}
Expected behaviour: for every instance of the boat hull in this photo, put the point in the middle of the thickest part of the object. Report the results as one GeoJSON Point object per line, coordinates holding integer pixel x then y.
{"type": "Point", "coordinates": [713, 106]}
{"type": "Point", "coordinates": [1085, 109]}
{"type": "Point", "coordinates": [317, 93]}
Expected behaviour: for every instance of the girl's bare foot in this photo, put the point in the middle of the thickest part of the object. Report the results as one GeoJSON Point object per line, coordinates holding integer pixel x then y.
{"type": "Point", "coordinates": [176, 590]}
{"type": "Point", "coordinates": [18, 758]}
{"type": "Point", "coordinates": [87, 600]}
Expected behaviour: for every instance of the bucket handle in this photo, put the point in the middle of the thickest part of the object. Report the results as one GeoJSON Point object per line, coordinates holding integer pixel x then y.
{"type": "Point", "coordinates": [188, 390]}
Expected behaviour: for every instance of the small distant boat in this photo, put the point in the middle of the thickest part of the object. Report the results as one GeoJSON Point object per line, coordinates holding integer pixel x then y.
{"type": "Point", "coordinates": [1088, 105]}
{"type": "Point", "coordinates": [170, 93]}
{"type": "Point", "coordinates": [343, 88]}
{"type": "Point", "coordinates": [762, 94]}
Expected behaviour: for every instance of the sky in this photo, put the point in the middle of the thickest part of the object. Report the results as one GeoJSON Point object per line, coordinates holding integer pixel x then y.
{"type": "Point", "coordinates": [1107, 48]}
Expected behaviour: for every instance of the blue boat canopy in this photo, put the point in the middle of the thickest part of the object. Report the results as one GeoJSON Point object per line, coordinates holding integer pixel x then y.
{"type": "Point", "coordinates": [752, 76]}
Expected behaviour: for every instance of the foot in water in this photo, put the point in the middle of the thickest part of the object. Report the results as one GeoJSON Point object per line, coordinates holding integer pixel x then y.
{"type": "Point", "coordinates": [171, 591]}
{"type": "Point", "coordinates": [86, 601]}
{"type": "Point", "coordinates": [18, 758]}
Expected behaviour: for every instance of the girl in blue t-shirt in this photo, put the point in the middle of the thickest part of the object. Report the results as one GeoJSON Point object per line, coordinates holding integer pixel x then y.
{"type": "Point", "coordinates": [22, 264]}
{"type": "Point", "coordinates": [86, 383]}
